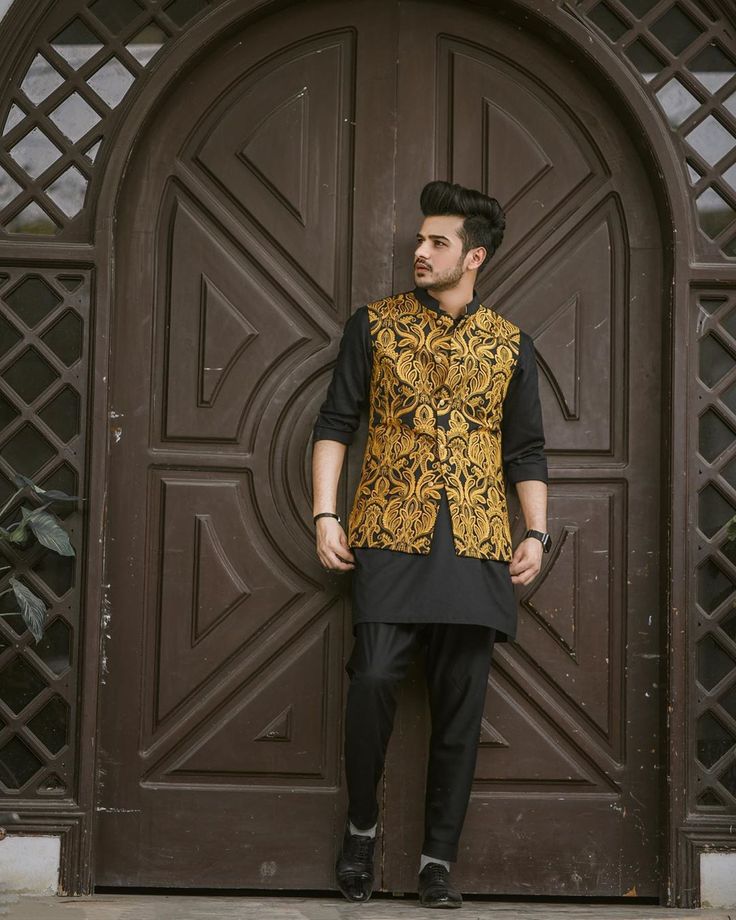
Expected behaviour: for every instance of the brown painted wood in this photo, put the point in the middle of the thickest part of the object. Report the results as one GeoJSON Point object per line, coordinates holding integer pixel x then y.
{"type": "Point", "coordinates": [257, 210]}
{"type": "Point", "coordinates": [566, 798]}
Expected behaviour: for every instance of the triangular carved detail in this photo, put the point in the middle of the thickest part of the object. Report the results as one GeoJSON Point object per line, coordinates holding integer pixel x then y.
{"type": "Point", "coordinates": [225, 334]}
{"type": "Point", "coordinates": [277, 152]}
{"type": "Point", "coordinates": [559, 342]}
{"type": "Point", "coordinates": [218, 589]}
{"type": "Point", "coordinates": [279, 728]}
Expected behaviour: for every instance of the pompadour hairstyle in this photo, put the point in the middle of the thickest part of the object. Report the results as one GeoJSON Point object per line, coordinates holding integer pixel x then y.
{"type": "Point", "coordinates": [484, 222]}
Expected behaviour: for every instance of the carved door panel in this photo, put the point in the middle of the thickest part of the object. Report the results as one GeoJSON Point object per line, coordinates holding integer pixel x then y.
{"type": "Point", "coordinates": [224, 641]}
{"type": "Point", "coordinates": [276, 189]}
{"type": "Point", "coordinates": [568, 772]}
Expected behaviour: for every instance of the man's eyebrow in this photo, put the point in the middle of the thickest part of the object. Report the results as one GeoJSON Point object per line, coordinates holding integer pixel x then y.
{"type": "Point", "coordinates": [433, 236]}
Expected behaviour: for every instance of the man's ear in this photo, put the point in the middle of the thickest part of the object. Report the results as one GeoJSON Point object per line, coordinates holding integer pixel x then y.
{"type": "Point", "coordinates": [477, 257]}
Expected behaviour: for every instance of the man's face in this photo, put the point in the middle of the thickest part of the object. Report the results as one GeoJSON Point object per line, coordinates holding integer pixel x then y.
{"type": "Point", "coordinates": [439, 262]}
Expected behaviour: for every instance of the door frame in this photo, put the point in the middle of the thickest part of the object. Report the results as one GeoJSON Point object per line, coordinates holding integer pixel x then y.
{"type": "Point", "coordinates": [661, 161]}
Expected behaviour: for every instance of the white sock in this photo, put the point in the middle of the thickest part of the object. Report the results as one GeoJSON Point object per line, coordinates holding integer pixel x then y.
{"type": "Point", "coordinates": [369, 833]}
{"type": "Point", "coordinates": [424, 859]}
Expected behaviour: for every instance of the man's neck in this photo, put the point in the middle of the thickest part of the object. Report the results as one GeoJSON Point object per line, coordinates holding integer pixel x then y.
{"type": "Point", "coordinates": [454, 300]}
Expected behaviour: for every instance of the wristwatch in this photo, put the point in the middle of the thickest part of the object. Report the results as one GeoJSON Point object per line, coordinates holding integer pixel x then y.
{"type": "Point", "coordinates": [544, 537]}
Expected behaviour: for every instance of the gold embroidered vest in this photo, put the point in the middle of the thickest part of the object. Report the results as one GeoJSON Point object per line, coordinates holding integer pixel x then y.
{"type": "Point", "coordinates": [436, 399]}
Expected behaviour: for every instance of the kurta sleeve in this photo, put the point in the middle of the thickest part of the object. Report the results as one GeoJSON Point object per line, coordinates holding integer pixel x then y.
{"type": "Point", "coordinates": [522, 431]}
{"type": "Point", "coordinates": [347, 394]}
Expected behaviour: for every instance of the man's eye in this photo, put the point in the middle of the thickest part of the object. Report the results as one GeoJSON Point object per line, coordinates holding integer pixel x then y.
{"type": "Point", "coordinates": [439, 242]}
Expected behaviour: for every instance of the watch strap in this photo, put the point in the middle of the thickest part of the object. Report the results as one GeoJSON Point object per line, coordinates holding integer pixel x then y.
{"type": "Point", "coordinates": [327, 514]}
{"type": "Point", "coordinates": [544, 538]}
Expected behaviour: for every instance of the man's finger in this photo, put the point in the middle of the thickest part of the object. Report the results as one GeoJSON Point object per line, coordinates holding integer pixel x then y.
{"type": "Point", "coordinates": [525, 568]}
{"type": "Point", "coordinates": [337, 563]}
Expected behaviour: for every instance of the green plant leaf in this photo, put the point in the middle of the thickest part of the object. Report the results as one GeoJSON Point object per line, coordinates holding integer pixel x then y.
{"type": "Point", "coordinates": [55, 494]}
{"type": "Point", "coordinates": [18, 532]}
{"type": "Point", "coordinates": [48, 531]}
{"type": "Point", "coordinates": [32, 608]}
{"type": "Point", "coordinates": [731, 529]}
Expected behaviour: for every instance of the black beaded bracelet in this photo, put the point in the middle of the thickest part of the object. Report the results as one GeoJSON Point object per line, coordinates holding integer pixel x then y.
{"type": "Point", "coordinates": [327, 514]}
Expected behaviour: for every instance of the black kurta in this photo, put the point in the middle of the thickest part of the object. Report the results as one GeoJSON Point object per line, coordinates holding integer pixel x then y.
{"type": "Point", "coordinates": [391, 586]}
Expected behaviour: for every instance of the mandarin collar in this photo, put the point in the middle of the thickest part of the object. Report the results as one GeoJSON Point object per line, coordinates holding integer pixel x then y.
{"type": "Point", "coordinates": [425, 298]}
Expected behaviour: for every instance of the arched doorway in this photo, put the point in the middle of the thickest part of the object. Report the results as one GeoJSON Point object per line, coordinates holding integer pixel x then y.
{"type": "Point", "coordinates": [277, 187]}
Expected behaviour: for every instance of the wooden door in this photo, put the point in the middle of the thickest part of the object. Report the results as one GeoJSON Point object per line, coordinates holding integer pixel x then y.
{"type": "Point", "coordinates": [224, 643]}
{"type": "Point", "coordinates": [569, 768]}
{"type": "Point", "coordinates": [276, 189]}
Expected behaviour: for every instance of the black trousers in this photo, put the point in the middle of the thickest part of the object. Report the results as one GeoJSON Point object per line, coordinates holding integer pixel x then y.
{"type": "Point", "coordinates": [457, 664]}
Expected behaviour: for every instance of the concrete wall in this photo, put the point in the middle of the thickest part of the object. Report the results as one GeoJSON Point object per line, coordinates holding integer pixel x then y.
{"type": "Point", "coordinates": [30, 865]}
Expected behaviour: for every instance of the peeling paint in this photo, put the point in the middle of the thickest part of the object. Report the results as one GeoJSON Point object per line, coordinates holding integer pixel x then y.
{"type": "Point", "coordinates": [119, 811]}
{"type": "Point", "coordinates": [105, 617]}
{"type": "Point", "coordinates": [267, 869]}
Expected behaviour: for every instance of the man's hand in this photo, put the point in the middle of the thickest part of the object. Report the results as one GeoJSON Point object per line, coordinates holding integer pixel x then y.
{"type": "Point", "coordinates": [526, 561]}
{"type": "Point", "coordinates": [332, 546]}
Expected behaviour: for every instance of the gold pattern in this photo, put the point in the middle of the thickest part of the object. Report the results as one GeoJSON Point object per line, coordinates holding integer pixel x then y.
{"type": "Point", "coordinates": [436, 402]}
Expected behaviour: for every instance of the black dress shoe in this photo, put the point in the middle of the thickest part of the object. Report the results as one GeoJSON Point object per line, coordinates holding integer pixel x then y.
{"type": "Point", "coordinates": [435, 889]}
{"type": "Point", "coordinates": [354, 866]}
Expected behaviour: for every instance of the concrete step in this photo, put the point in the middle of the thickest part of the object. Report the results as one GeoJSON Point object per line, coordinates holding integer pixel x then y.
{"type": "Point", "coordinates": [191, 907]}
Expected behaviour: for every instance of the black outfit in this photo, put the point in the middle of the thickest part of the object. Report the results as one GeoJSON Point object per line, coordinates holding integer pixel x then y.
{"type": "Point", "coordinates": [390, 586]}
{"type": "Point", "coordinates": [454, 607]}
{"type": "Point", "coordinates": [457, 665]}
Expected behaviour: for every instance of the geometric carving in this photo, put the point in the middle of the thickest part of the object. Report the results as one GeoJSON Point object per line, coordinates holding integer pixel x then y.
{"type": "Point", "coordinates": [217, 586]}
{"type": "Point", "coordinates": [573, 615]}
{"type": "Point", "coordinates": [510, 140]}
{"type": "Point", "coordinates": [219, 343]}
{"type": "Point", "coordinates": [278, 729]}
{"type": "Point", "coordinates": [558, 340]}
{"type": "Point", "coordinates": [531, 160]}
{"type": "Point", "coordinates": [285, 130]}
{"type": "Point", "coordinates": [559, 582]}
{"type": "Point", "coordinates": [289, 177]}
{"type": "Point", "coordinates": [521, 744]}
{"type": "Point", "coordinates": [211, 589]}
{"type": "Point", "coordinates": [574, 328]}
{"type": "Point", "coordinates": [229, 745]}
{"type": "Point", "coordinates": [226, 334]}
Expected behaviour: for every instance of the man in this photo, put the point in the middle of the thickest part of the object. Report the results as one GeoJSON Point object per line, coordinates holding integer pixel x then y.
{"type": "Point", "coordinates": [454, 414]}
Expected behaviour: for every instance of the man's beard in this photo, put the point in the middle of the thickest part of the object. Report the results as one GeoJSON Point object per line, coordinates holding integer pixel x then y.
{"type": "Point", "coordinates": [446, 280]}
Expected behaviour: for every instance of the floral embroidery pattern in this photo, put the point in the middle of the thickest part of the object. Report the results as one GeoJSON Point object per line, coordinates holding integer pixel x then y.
{"type": "Point", "coordinates": [436, 401]}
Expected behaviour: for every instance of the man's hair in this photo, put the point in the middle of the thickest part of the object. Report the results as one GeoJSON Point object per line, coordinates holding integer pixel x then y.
{"type": "Point", "coordinates": [484, 218]}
